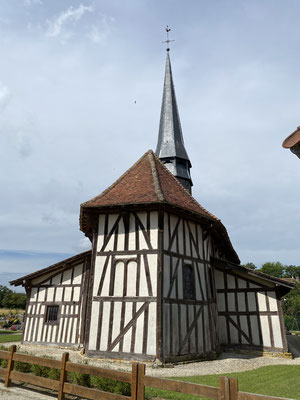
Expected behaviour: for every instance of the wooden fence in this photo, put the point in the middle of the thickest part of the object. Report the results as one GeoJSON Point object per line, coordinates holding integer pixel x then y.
{"type": "Point", "coordinates": [227, 390]}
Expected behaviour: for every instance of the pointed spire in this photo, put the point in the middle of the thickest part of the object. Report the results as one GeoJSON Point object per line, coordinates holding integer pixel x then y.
{"type": "Point", "coordinates": [170, 146]}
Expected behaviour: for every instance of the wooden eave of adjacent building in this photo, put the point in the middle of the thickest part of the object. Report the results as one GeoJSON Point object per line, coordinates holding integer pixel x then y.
{"type": "Point", "coordinates": [148, 184]}
{"type": "Point", "coordinates": [282, 284]}
{"type": "Point", "coordinates": [61, 265]}
{"type": "Point", "coordinates": [292, 140]}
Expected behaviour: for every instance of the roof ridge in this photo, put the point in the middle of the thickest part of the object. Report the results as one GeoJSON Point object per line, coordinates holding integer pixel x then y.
{"type": "Point", "coordinates": [107, 190]}
{"type": "Point", "coordinates": [183, 188]}
{"type": "Point", "coordinates": [157, 186]}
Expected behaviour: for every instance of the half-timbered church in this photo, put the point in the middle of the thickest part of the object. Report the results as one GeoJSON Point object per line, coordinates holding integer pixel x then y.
{"type": "Point", "coordinates": [162, 280]}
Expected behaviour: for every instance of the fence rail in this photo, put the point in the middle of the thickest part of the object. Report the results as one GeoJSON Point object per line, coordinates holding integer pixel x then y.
{"type": "Point", "coordinates": [227, 390]}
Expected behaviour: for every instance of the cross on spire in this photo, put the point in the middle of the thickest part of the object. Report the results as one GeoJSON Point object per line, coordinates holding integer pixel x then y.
{"type": "Point", "coordinates": [167, 29]}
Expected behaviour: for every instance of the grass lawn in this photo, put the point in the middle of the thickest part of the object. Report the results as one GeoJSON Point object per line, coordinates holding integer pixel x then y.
{"type": "Point", "coordinates": [9, 337]}
{"type": "Point", "coordinates": [275, 380]}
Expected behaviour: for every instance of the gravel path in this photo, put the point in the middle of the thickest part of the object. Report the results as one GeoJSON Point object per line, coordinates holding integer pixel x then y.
{"type": "Point", "coordinates": [226, 363]}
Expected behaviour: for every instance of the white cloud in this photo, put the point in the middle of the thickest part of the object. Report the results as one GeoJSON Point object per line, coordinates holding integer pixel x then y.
{"type": "Point", "coordinates": [4, 96]}
{"type": "Point", "coordinates": [23, 144]}
{"type": "Point", "coordinates": [99, 34]}
{"type": "Point", "coordinates": [57, 25]}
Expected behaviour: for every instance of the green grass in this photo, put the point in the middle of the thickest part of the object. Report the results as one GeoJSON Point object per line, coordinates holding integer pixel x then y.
{"type": "Point", "coordinates": [8, 337]}
{"type": "Point", "coordinates": [276, 380]}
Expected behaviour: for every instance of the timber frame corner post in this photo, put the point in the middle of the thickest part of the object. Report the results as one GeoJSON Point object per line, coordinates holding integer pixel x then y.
{"type": "Point", "coordinates": [10, 365]}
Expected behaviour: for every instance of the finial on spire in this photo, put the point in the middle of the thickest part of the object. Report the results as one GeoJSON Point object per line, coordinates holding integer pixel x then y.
{"type": "Point", "coordinates": [168, 40]}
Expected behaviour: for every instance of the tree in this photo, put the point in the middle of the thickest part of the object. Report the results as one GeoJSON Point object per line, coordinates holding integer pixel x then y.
{"type": "Point", "coordinates": [3, 291]}
{"type": "Point", "coordinates": [249, 265]}
{"type": "Point", "coordinates": [273, 268]}
{"type": "Point", "coordinates": [291, 302]}
{"type": "Point", "coordinates": [291, 271]}
{"type": "Point", "coordinates": [14, 300]}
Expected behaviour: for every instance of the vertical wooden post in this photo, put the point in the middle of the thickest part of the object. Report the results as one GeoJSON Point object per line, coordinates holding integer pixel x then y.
{"type": "Point", "coordinates": [233, 388]}
{"type": "Point", "coordinates": [224, 393]}
{"type": "Point", "coordinates": [10, 365]}
{"type": "Point", "coordinates": [141, 386]}
{"type": "Point", "coordinates": [63, 376]}
{"type": "Point", "coordinates": [134, 381]}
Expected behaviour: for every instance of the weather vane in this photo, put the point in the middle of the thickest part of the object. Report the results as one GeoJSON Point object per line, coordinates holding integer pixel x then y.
{"type": "Point", "coordinates": [168, 40]}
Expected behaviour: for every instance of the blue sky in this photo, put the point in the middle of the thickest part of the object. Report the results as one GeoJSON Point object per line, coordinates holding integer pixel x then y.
{"type": "Point", "coordinates": [80, 95]}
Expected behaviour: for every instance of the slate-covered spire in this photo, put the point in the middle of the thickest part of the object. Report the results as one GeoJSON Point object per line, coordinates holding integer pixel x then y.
{"type": "Point", "coordinates": [170, 146]}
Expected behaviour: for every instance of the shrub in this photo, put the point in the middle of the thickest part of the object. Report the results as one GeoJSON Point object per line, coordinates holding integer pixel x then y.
{"type": "Point", "coordinates": [23, 367]}
{"type": "Point", "coordinates": [79, 379]}
{"type": "Point", "coordinates": [39, 370]}
{"type": "Point", "coordinates": [54, 374]}
{"type": "Point", "coordinates": [110, 385]}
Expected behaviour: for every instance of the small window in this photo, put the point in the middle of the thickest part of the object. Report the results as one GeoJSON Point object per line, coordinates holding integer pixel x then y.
{"type": "Point", "coordinates": [188, 283]}
{"type": "Point", "coordinates": [52, 314]}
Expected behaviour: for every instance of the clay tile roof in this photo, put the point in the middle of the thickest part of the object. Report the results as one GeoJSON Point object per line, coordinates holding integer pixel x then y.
{"type": "Point", "coordinates": [147, 181]}
{"type": "Point", "coordinates": [292, 139]}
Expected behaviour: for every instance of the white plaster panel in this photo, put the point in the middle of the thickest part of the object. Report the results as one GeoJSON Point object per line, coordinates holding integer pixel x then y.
{"type": "Point", "coordinates": [73, 338]}
{"type": "Point", "coordinates": [251, 301]}
{"type": "Point", "coordinates": [276, 331]}
{"type": "Point", "coordinates": [77, 276]}
{"type": "Point", "coordinates": [154, 229]}
{"type": "Point", "coordinates": [94, 326]}
{"type": "Point", "coordinates": [180, 237]}
{"type": "Point", "coordinates": [33, 294]}
{"type": "Point", "coordinates": [76, 294]}
{"type": "Point", "coordinates": [231, 301]}
{"type": "Point", "coordinates": [50, 327]}
{"type": "Point", "coordinates": [101, 225]}
{"type": "Point", "coordinates": [179, 278]}
{"type": "Point", "coordinates": [143, 280]}
{"type": "Point", "coordinates": [192, 335]}
{"type": "Point", "coordinates": [151, 342]}
{"type": "Point", "coordinates": [265, 330]}
{"type": "Point", "coordinates": [104, 326]}
{"type": "Point", "coordinates": [166, 231]}
{"type": "Point", "coordinates": [253, 286]}
{"type": "Point", "coordinates": [166, 276]}
{"type": "Point", "coordinates": [62, 309]}
{"type": "Point", "coordinates": [152, 262]}
{"type": "Point", "coordinates": [183, 326]}
{"type": "Point", "coordinates": [131, 238]}
{"type": "Point", "coordinates": [174, 328]}
{"type": "Point", "coordinates": [116, 323]}
{"type": "Point", "coordinates": [127, 337]}
{"type": "Point", "coordinates": [138, 348]}
{"type": "Point", "coordinates": [221, 301]}
{"type": "Point", "coordinates": [131, 278]}
{"type": "Point", "coordinates": [56, 279]}
{"type": "Point", "coordinates": [119, 278]}
{"type": "Point", "coordinates": [193, 233]}
{"type": "Point", "coordinates": [99, 265]}
{"type": "Point", "coordinates": [242, 283]}
{"type": "Point", "coordinates": [105, 288]}
{"type": "Point", "coordinates": [219, 279]}
{"type": "Point", "coordinates": [244, 327]}
{"type": "Point", "coordinates": [64, 329]}
{"type": "Point", "coordinates": [272, 301]}
{"type": "Point", "coordinates": [241, 301]}
{"type": "Point", "coordinates": [67, 277]}
{"type": "Point", "coordinates": [200, 335]}
{"type": "Point", "coordinates": [199, 231]}
{"type": "Point", "coordinates": [121, 236]}
{"type": "Point", "coordinates": [166, 329]}
{"type": "Point", "coordinates": [173, 221]}
{"type": "Point", "coordinates": [111, 220]}
{"type": "Point", "coordinates": [233, 331]}
{"type": "Point", "coordinates": [262, 304]}
{"type": "Point", "coordinates": [50, 294]}
{"type": "Point", "coordinates": [53, 335]}
{"type": "Point", "coordinates": [68, 293]}
{"type": "Point", "coordinates": [30, 309]}
{"type": "Point", "coordinates": [41, 323]}
{"type": "Point", "coordinates": [230, 282]}
{"type": "Point", "coordinates": [187, 238]}
{"type": "Point", "coordinates": [42, 309]}
{"type": "Point", "coordinates": [58, 294]}
{"type": "Point", "coordinates": [207, 329]}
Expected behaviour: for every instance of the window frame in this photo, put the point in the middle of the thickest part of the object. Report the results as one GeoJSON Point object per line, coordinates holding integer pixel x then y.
{"type": "Point", "coordinates": [192, 285]}
{"type": "Point", "coordinates": [52, 322]}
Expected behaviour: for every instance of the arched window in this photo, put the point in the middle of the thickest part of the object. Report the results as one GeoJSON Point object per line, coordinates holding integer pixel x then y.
{"type": "Point", "coordinates": [188, 283]}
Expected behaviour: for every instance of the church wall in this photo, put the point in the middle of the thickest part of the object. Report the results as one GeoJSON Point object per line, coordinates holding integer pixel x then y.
{"type": "Point", "coordinates": [189, 320]}
{"type": "Point", "coordinates": [55, 307]}
{"type": "Point", "coordinates": [122, 320]}
{"type": "Point", "coordinates": [249, 312]}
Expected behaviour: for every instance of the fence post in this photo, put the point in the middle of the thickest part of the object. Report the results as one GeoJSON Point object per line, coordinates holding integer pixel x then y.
{"type": "Point", "coordinates": [233, 388]}
{"type": "Point", "coordinates": [141, 386]}
{"type": "Point", "coordinates": [63, 376]}
{"type": "Point", "coordinates": [224, 393]}
{"type": "Point", "coordinates": [134, 381]}
{"type": "Point", "coordinates": [10, 365]}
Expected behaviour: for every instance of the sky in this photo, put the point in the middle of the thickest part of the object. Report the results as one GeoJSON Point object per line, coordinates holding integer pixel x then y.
{"type": "Point", "coordinates": [80, 95]}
